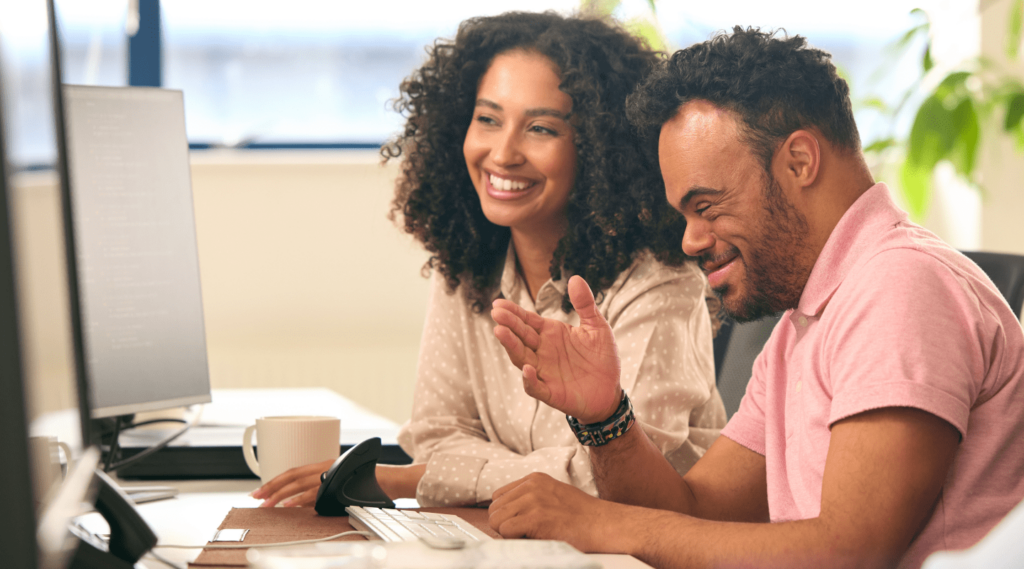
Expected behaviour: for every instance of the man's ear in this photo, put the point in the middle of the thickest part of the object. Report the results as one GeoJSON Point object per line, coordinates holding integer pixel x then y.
{"type": "Point", "coordinates": [799, 158]}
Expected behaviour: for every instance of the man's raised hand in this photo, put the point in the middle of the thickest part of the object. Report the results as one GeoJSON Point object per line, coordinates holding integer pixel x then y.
{"type": "Point", "coordinates": [574, 370]}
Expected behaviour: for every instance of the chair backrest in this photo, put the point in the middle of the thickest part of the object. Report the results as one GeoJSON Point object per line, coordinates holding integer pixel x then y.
{"type": "Point", "coordinates": [736, 347]}
{"type": "Point", "coordinates": [1006, 271]}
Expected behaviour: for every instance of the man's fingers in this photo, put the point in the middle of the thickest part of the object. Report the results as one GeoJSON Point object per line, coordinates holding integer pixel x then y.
{"type": "Point", "coordinates": [531, 319]}
{"type": "Point", "coordinates": [533, 386]}
{"type": "Point", "coordinates": [505, 490]}
{"type": "Point", "coordinates": [527, 333]}
{"type": "Point", "coordinates": [582, 299]}
{"type": "Point", "coordinates": [517, 352]}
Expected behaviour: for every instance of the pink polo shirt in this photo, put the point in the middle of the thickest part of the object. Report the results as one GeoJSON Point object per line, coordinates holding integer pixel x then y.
{"type": "Point", "coordinates": [892, 317]}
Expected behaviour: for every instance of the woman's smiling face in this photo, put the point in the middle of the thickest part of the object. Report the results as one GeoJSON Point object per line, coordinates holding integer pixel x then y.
{"type": "Point", "coordinates": [519, 147]}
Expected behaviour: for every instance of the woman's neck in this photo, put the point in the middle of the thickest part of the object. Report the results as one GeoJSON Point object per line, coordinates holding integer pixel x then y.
{"type": "Point", "coordinates": [533, 257]}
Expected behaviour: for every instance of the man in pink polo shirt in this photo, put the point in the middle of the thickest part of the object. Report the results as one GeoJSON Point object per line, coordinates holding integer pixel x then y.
{"type": "Point", "coordinates": [885, 416]}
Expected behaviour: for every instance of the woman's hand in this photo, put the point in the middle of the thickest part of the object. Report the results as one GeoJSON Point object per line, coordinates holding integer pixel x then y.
{"type": "Point", "coordinates": [298, 486]}
{"type": "Point", "coordinates": [294, 487]}
{"type": "Point", "coordinates": [574, 370]}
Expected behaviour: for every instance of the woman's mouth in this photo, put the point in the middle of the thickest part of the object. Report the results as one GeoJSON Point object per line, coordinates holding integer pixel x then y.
{"type": "Point", "coordinates": [507, 188]}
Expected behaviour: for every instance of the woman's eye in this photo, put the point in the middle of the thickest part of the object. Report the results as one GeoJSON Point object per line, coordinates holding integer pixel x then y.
{"type": "Point", "coordinates": [543, 130]}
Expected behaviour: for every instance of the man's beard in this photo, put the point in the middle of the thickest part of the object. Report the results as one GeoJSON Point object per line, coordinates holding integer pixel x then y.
{"type": "Point", "coordinates": [778, 263]}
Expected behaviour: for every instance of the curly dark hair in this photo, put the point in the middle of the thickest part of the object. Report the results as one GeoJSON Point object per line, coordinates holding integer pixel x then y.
{"type": "Point", "coordinates": [775, 85]}
{"type": "Point", "coordinates": [616, 208]}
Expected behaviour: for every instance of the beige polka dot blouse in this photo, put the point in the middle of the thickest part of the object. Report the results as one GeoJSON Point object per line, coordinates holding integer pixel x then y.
{"type": "Point", "coordinates": [477, 430]}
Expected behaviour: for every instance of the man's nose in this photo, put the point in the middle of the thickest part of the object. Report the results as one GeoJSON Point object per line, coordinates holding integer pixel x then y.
{"type": "Point", "coordinates": [697, 238]}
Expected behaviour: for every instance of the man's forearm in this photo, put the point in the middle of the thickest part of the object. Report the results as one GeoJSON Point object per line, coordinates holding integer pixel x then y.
{"type": "Point", "coordinates": [667, 539]}
{"type": "Point", "coordinates": [631, 470]}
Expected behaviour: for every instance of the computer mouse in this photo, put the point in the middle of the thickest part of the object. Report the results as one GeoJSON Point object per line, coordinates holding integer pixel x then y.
{"type": "Point", "coordinates": [352, 481]}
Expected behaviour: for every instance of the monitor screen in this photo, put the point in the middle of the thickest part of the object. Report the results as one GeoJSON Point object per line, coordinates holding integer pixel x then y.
{"type": "Point", "coordinates": [135, 238]}
{"type": "Point", "coordinates": [43, 412]}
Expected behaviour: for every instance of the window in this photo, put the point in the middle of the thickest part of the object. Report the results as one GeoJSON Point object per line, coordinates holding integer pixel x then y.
{"type": "Point", "coordinates": [321, 72]}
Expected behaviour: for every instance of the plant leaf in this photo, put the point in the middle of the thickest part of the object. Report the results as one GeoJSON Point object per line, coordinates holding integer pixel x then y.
{"type": "Point", "coordinates": [964, 152]}
{"type": "Point", "coordinates": [915, 181]}
{"type": "Point", "coordinates": [926, 61]}
{"type": "Point", "coordinates": [880, 145]}
{"type": "Point", "coordinates": [955, 84]}
{"type": "Point", "coordinates": [1013, 29]}
{"type": "Point", "coordinates": [932, 138]}
{"type": "Point", "coordinates": [599, 7]}
{"type": "Point", "coordinates": [933, 133]}
{"type": "Point", "coordinates": [651, 4]}
{"type": "Point", "coordinates": [646, 30]}
{"type": "Point", "coordinates": [1014, 112]}
{"type": "Point", "coordinates": [875, 103]}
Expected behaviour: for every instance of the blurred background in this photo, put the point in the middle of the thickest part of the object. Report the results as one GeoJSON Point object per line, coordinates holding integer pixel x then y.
{"type": "Point", "coordinates": [305, 280]}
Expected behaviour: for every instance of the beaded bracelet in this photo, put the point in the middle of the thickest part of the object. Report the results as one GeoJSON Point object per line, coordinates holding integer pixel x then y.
{"type": "Point", "coordinates": [599, 434]}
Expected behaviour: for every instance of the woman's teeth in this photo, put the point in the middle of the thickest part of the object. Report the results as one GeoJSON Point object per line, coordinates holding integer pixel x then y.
{"type": "Point", "coordinates": [507, 185]}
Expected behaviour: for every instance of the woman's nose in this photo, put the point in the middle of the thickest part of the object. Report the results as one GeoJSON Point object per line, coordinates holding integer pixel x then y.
{"type": "Point", "coordinates": [507, 151]}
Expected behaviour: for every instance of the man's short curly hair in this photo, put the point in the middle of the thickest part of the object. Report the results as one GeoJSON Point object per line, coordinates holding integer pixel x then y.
{"type": "Point", "coordinates": [776, 86]}
{"type": "Point", "coordinates": [616, 208]}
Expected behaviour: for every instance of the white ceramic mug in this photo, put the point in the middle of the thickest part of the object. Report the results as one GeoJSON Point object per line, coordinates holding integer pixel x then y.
{"type": "Point", "coordinates": [287, 442]}
{"type": "Point", "coordinates": [47, 466]}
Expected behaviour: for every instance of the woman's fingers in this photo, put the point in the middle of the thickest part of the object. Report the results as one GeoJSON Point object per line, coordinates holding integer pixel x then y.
{"type": "Point", "coordinates": [306, 498]}
{"type": "Point", "coordinates": [291, 482]}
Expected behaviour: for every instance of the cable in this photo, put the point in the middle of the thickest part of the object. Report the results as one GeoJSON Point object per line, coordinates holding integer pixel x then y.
{"type": "Point", "coordinates": [154, 422]}
{"type": "Point", "coordinates": [114, 446]}
{"type": "Point", "coordinates": [263, 545]}
{"type": "Point", "coordinates": [159, 445]}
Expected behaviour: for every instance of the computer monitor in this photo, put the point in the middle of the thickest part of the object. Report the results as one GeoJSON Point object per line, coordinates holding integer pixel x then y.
{"type": "Point", "coordinates": [42, 396]}
{"type": "Point", "coordinates": [138, 260]}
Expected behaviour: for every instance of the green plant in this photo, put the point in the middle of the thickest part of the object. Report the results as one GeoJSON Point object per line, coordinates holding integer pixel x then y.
{"type": "Point", "coordinates": [645, 27]}
{"type": "Point", "coordinates": [950, 120]}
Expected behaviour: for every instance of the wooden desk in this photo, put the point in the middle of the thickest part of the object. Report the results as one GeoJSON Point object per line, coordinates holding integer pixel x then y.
{"type": "Point", "coordinates": [193, 517]}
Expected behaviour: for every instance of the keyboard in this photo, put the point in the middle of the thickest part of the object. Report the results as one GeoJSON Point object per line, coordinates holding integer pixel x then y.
{"type": "Point", "coordinates": [443, 531]}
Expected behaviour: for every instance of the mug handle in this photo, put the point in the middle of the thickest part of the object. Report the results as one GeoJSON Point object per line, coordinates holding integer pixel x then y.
{"type": "Point", "coordinates": [247, 452]}
{"type": "Point", "coordinates": [66, 467]}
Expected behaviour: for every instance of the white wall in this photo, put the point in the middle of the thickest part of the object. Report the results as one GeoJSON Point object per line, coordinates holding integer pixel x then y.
{"type": "Point", "coordinates": [305, 280]}
{"type": "Point", "coordinates": [1001, 164]}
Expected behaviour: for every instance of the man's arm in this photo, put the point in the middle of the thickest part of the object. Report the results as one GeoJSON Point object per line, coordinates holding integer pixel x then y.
{"type": "Point", "coordinates": [576, 370]}
{"type": "Point", "coordinates": [728, 483]}
{"type": "Point", "coordinates": [883, 476]}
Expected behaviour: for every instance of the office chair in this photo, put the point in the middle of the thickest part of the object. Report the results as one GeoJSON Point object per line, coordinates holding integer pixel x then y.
{"type": "Point", "coordinates": [736, 346]}
{"type": "Point", "coordinates": [1006, 271]}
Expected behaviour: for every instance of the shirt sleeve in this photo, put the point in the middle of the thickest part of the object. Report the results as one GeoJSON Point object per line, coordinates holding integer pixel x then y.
{"type": "Point", "coordinates": [446, 430]}
{"type": "Point", "coordinates": [747, 425]}
{"type": "Point", "coordinates": [662, 327]}
{"type": "Point", "coordinates": [925, 338]}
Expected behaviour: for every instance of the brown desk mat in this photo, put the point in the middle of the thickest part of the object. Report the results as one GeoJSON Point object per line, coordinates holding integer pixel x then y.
{"type": "Point", "coordinates": [274, 525]}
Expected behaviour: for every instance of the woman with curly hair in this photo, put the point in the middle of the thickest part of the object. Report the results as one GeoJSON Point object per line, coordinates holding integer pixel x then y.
{"type": "Point", "coordinates": [519, 169]}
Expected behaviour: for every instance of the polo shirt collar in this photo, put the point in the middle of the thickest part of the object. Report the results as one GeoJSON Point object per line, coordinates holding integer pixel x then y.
{"type": "Point", "coordinates": [858, 230]}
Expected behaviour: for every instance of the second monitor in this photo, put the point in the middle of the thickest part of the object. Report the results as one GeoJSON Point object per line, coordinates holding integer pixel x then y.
{"type": "Point", "coordinates": [135, 235]}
